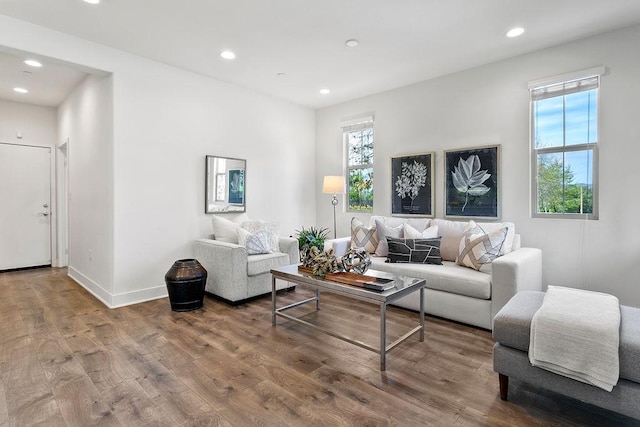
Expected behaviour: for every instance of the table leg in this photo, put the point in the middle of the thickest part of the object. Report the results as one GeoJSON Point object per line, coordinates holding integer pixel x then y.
{"type": "Point", "coordinates": [317, 299]}
{"type": "Point", "coordinates": [273, 301]}
{"type": "Point", "coordinates": [383, 337]}
{"type": "Point", "coordinates": [422, 314]}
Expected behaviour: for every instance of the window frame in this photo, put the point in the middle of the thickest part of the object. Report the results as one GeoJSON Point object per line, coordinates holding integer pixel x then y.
{"type": "Point", "coordinates": [593, 147]}
{"type": "Point", "coordinates": [347, 128]}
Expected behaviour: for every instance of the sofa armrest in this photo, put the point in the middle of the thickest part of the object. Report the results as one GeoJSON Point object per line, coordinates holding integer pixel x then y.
{"type": "Point", "coordinates": [520, 270]}
{"type": "Point", "coordinates": [226, 265]}
{"type": "Point", "coordinates": [289, 245]}
{"type": "Point", "coordinates": [340, 245]}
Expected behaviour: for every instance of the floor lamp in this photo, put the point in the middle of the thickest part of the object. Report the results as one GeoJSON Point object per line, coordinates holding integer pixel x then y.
{"type": "Point", "coordinates": [333, 185]}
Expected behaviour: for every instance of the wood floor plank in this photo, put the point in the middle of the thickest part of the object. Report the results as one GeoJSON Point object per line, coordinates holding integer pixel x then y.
{"type": "Point", "coordinates": [68, 360]}
{"type": "Point", "coordinates": [82, 405]}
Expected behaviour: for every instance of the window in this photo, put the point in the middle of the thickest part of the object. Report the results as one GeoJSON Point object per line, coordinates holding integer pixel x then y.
{"type": "Point", "coordinates": [564, 141]}
{"type": "Point", "coordinates": [358, 138]}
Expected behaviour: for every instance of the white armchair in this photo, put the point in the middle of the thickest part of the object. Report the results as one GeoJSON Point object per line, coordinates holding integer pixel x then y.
{"type": "Point", "coordinates": [234, 276]}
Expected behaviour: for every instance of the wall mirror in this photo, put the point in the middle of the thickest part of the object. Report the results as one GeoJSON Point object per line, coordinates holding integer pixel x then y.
{"type": "Point", "coordinates": [225, 184]}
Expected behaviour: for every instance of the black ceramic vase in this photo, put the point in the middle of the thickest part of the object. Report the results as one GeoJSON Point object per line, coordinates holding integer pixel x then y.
{"type": "Point", "coordinates": [185, 283]}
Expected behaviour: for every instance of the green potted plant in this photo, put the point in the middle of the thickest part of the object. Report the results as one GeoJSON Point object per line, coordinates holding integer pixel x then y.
{"type": "Point", "coordinates": [310, 238]}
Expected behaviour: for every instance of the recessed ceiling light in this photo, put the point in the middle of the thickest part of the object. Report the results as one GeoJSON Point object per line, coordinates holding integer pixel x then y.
{"type": "Point", "coordinates": [92, 1]}
{"type": "Point", "coordinates": [515, 32]}
{"type": "Point", "coordinates": [227, 54]}
{"type": "Point", "coordinates": [325, 91]}
{"type": "Point", "coordinates": [352, 43]}
{"type": "Point", "coordinates": [20, 90]}
{"type": "Point", "coordinates": [32, 63]}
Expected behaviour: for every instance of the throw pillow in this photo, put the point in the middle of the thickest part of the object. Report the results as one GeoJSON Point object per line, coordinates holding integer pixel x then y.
{"type": "Point", "coordinates": [272, 227]}
{"type": "Point", "coordinates": [255, 244]}
{"type": "Point", "coordinates": [478, 248]}
{"type": "Point", "coordinates": [362, 236]}
{"type": "Point", "coordinates": [422, 251]}
{"type": "Point", "coordinates": [412, 233]}
{"type": "Point", "coordinates": [226, 230]}
{"type": "Point", "coordinates": [385, 231]}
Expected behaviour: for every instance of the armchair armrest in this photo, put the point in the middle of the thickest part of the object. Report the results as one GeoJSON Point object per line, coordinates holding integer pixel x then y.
{"type": "Point", "coordinates": [520, 270]}
{"type": "Point", "coordinates": [226, 265]}
{"type": "Point", "coordinates": [340, 245]}
{"type": "Point", "coordinates": [289, 245]}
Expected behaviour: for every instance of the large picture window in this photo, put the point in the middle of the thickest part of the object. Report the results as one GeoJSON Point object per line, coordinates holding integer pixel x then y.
{"type": "Point", "coordinates": [358, 139]}
{"type": "Point", "coordinates": [564, 141]}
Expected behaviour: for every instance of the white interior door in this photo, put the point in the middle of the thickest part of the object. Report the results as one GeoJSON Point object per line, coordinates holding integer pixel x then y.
{"type": "Point", "coordinates": [25, 200]}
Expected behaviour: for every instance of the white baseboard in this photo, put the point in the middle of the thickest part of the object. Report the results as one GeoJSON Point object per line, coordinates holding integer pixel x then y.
{"type": "Point", "coordinates": [117, 300]}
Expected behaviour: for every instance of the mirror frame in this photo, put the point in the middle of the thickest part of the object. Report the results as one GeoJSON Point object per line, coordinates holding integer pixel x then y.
{"type": "Point", "coordinates": [220, 172]}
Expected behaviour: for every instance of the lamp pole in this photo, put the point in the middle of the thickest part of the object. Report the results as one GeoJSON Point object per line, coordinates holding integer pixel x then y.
{"type": "Point", "coordinates": [334, 202]}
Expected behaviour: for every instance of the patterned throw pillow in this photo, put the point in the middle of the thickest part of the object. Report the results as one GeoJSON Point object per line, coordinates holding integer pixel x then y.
{"type": "Point", "coordinates": [362, 236]}
{"type": "Point", "coordinates": [479, 248]}
{"type": "Point", "coordinates": [272, 227]}
{"type": "Point", "coordinates": [255, 244]}
{"type": "Point", "coordinates": [422, 251]}
{"type": "Point", "coordinates": [385, 231]}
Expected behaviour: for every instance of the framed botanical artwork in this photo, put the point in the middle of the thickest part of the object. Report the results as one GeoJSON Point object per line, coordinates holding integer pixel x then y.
{"type": "Point", "coordinates": [412, 184]}
{"type": "Point", "coordinates": [472, 182]}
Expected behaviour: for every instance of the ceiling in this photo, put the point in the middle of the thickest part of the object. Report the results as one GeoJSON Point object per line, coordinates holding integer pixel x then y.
{"type": "Point", "coordinates": [401, 42]}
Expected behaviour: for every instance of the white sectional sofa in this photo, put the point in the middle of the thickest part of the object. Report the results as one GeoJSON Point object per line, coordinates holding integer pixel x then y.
{"type": "Point", "coordinates": [455, 291]}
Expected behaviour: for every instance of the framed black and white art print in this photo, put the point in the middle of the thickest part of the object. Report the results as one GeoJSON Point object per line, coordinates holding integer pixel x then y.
{"type": "Point", "coordinates": [412, 185]}
{"type": "Point", "coordinates": [472, 180]}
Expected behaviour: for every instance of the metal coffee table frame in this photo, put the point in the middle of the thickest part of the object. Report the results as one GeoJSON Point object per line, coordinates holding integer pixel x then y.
{"type": "Point", "coordinates": [404, 287]}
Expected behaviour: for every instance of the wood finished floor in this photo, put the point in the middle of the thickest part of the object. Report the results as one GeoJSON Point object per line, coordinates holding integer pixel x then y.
{"type": "Point", "coordinates": [67, 360]}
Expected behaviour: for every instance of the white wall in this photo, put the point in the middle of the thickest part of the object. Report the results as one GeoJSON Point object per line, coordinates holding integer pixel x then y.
{"type": "Point", "coordinates": [490, 105]}
{"type": "Point", "coordinates": [36, 124]}
{"type": "Point", "coordinates": [165, 121]}
{"type": "Point", "coordinates": [86, 125]}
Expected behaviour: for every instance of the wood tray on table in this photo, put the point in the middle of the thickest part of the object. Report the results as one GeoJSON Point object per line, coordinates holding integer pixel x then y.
{"type": "Point", "coordinates": [353, 279]}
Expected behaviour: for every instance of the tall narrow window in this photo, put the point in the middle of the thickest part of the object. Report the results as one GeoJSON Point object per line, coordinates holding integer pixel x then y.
{"type": "Point", "coordinates": [564, 141]}
{"type": "Point", "coordinates": [358, 138]}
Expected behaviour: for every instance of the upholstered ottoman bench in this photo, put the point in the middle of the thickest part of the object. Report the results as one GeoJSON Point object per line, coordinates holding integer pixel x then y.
{"type": "Point", "coordinates": [511, 328]}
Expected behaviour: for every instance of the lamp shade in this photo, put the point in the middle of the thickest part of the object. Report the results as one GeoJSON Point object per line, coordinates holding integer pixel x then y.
{"type": "Point", "coordinates": [333, 185]}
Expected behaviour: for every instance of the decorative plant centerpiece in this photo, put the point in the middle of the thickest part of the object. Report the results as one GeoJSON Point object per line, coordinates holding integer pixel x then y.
{"type": "Point", "coordinates": [310, 238]}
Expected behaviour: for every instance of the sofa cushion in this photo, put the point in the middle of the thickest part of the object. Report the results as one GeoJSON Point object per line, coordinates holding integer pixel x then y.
{"type": "Point", "coordinates": [258, 264]}
{"type": "Point", "coordinates": [226, 230]}
{"type": "Point", "coordinates": [448, 277]}
{"type": "Point", "coordinates": [512, 325]}
{"type": "Point", "coordinates": [385, 231]}
{"type": "Point", "coordinates": [630, 343]}
{"type": "Point", "coordinates": [478, 249]}
{"type": "Point", "coordinates": [363, 236]}
{"type": "Point", "coordinates": [420, 251]}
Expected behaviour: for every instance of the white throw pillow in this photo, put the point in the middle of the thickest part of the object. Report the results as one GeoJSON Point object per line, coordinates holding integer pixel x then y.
{"type": "Point", "coordinates": [412, 233]}
{"type": "Point", "coordinates": [478, 249]}
{"type": "Point", "coordinates": [385, 231]}
{"type": "Point", "coordinates": [226, 230]}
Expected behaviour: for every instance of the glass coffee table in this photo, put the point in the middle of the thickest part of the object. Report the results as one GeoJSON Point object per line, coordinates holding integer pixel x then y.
{"type": "Point", "coordinates": [399, 287]}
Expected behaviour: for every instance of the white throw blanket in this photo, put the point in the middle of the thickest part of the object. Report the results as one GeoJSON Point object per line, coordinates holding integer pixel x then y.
{"type": "Point", "coordinates": [576, 333]}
